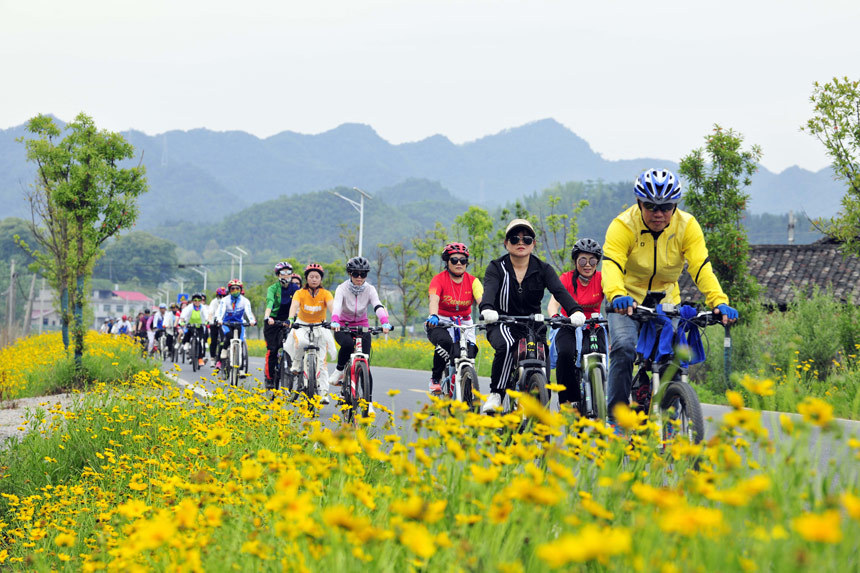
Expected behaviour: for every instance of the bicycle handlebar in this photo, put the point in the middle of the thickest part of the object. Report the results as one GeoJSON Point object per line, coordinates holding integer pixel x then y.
{"type": "Point", "coordinates": [231, 323]}
{"type": "Point", "coordinates": [323, 324]}
{"type": "Point", "coordinates": [704, 318]}
{"type": "Point", "coordinates": [362, 329]}
{"type": "Point", "coordinates": [552, 320]}
{"type": "Point", "coordinates": [452, 324]}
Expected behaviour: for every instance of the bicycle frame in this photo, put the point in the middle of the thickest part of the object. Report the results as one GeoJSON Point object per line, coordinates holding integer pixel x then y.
{"type": "Point", "coordinates": [657, 368]}
{"type": "Point", "coordinates": [456, 365]}
{"type": "Point", "coordinates": [530, 357]}
{"type": "Point", "coordinates": [312, 349]}
{"type": "Point", "coordinates": [357, 358]}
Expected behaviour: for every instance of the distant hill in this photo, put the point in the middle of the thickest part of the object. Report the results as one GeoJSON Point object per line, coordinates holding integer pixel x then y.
{"type": "Point", "coordinates": [224, 171]}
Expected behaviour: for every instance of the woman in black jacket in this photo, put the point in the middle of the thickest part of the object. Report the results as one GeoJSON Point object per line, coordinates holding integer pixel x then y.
{"type": "Point", "coordinates": [514, 285]}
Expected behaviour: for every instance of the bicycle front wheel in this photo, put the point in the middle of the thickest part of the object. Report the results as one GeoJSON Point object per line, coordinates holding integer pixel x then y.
{"type": "Point", "coordinates": [680, 402]}
{"type": "Point", "coordinates": [597, 379]}
{"type": "Point", "coordinates": [311, 375]}
{"type": "Point", "coordinates": [467, 385]}
{"type": "Point", "coordinates": [536, 386]}
{"type": "Point", "coordinates": [195, 354]}
{"type": "Point", "coordinates": [362, 387]}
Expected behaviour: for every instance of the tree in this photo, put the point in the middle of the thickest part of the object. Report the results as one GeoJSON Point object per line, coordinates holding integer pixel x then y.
{"type": "Point", "coordinates": [348, 240]}
{"type": "Point", "coordinates": [477, 225]}
{"type": "Point", "coordinates": [558, 233]}
{"type": "Point", "coordinates": [403, 269]}
{"type": "Point", "coordinates": [836, 124]}
{"type": "Point", "coordinates": [86, 195]}
{"type": "Point", "coordinates": [138, 255]}
{"type": "Point", "coordinates": [715, 177]}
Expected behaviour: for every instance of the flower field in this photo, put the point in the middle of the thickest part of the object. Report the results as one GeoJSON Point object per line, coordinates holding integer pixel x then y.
{"type": "Point", "coordinates": [145, 476]}
{"type": "Point", "coordinates": [39, 365]}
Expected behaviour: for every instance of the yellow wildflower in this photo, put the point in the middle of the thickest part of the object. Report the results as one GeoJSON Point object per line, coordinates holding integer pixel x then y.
{"type": "Point", "coordinates": [759, 387]}
{"type": "Point", "coordinates": [591, 543]}
{"type": "Point", "coordinates": [735, 399]}
{"type": "Point", "coordinates": [851, 503]}
{"type": "Point", "coordinates": [822, 527]}
{"type": "Point", "coordinates": [816, 411]}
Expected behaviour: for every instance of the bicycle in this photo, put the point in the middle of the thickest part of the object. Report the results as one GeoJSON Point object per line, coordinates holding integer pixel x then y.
{"type": "Point", "coordinates": [195, 351]}
{"type": "Point", "coordinates": [158, 351]}
{"type": "Point", "coordinates": [305, 380]}
{"type": "Point", "coordinates": [281, 377]}
{"type": "Point", "coordinates": [528, 372]}
{"type": "Point", "coordinates": [593, 369]}
{"type": "Point", "coordinates": [677, 398]}
{"type": "Point", "coordinates": [233, 362]}
{"type": "Point", "coordinates": [358, 370]}
{"type": "Point", "coordinates": [461, 381]}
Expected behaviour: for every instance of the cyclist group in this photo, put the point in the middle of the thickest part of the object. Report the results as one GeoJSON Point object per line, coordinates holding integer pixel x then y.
{"type": "Point", "coordinates": [645, 250]}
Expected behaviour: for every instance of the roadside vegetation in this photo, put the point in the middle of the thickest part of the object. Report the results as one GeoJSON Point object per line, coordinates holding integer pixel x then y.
{"type": "Point", "coordinates": [142, 474]}
{"type": "Point", "coordinates": [40, 365]}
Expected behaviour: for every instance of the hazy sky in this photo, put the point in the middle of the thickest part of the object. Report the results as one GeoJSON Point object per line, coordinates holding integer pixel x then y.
{"type": "Point", "coordinates": [633, 78]}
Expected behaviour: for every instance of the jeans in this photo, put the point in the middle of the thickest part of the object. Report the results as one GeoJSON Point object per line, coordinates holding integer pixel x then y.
{"type": "Point", "coordinates": [623, 334]}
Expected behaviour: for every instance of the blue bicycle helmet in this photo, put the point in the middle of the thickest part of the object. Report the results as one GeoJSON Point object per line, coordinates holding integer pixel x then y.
{"type": "Point", "coordinates": [658, 186]}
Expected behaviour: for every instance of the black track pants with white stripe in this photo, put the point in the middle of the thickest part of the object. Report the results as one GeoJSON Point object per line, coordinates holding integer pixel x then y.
{"type": "Point", "coordinates": [503, 338]}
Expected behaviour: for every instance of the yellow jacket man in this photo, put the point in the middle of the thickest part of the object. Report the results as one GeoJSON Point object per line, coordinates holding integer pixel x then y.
{"type": "Point", "coordinates": [645, 250]}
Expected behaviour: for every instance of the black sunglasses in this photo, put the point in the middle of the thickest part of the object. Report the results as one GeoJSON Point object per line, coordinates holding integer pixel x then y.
{"type": "Point", "coordinates": [515, 240]}
{"type": "Point", "coordinates": [359, 274]}
{"type": "Point", "coordinates": [459, 261]}
{"type": "Point", "coordinates": [665, 207]}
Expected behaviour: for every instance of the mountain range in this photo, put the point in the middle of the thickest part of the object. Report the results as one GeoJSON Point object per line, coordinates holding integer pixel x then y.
{"type": "Point", "coordinates": [197, 174]}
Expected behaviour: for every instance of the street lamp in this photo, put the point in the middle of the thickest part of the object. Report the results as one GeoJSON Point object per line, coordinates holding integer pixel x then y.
{"type": "Point", "coordinates": [358, 206]}
{"type": "Point", "coordinates": [235, 257]}
{"type": "Point", "coordinates": [202, 273]}
{"type": "Point", "coordinates": [164, 293]}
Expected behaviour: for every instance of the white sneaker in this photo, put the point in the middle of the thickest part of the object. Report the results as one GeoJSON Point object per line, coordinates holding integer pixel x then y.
{"type": "Point", "coordinates": [493, 403]}
{"type": "Point", "coordinates": [371, 410]}
{"type": "Point", "coordinates": [338, 378]}
{"type": "Point", "coordinates": [325, 399]}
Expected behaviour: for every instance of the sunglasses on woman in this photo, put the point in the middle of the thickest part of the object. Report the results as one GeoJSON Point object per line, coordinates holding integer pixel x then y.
{"type": "Point", "coordinates": [591, 262]}
{"type": "Point", "coordinates": [359, 274]}
{"type": "Point", "coordinates": [665, 207]}
{"type": "Point", "coordinates": [515, 240]}
{"type": "Point", "coordinates": [455, 261]}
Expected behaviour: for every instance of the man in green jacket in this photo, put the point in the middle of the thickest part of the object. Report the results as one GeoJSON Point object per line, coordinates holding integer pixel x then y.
{"type": "Point", "coordinates": [279, 296]}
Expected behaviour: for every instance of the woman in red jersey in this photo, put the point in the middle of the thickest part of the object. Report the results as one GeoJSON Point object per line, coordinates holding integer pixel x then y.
{"type": "Point", "coordinates": [583, 283]}
{"type": "Point", "coordinates": [452, 293]}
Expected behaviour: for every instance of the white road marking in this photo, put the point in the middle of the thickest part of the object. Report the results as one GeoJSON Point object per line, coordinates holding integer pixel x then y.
{"type": "Point", "coordinates": [196, 389]}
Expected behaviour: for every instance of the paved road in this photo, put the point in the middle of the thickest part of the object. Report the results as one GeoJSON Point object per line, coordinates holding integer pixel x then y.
{"type": "Point", "coordinates": [413, 393]}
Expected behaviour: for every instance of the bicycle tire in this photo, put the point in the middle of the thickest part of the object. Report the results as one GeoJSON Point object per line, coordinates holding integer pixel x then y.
{"type": "Point", "coordinates": [362, 384]}
{"type": "Point", "coordinates": [311, 376]}
{"type": "Point", "coordinates": [467, 385]}
{"type": "Point", "coordinates": [597, 379]}
{"type": "Point", "coordinates": [683, 396]}
{"type": "Point", "coordinates": [195, 363]}
{"type": "Point", "coordinates": [244, 356]}
{"type": "Point", "coordinates": [536, 386]}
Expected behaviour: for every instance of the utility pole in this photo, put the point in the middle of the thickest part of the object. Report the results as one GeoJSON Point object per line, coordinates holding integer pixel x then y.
{"type": "Point", "coordinates": [791, 223]}
{"type": "Point", "coordinates": [28, 315]}
{"type": "Point", "coordinates": [41, 306]}
{"type": "Point", "coordinates": [358, 206]}
{"type": "Point", "coordinates": [11, 316]}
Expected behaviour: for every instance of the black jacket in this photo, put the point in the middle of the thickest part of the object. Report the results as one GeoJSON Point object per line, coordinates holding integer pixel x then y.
{"type": "Point", "coordinates": [505, 295]}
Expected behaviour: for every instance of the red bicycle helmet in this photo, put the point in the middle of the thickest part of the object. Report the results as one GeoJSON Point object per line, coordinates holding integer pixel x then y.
{"type": "Point", "coordinates": [221, 291]}
{"type": "Point", "coordinates": [235, 282]}
{"type": "Point", "coordinates": [314, 267]}
{"type": "Point", "coordinates": [454, 249]}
